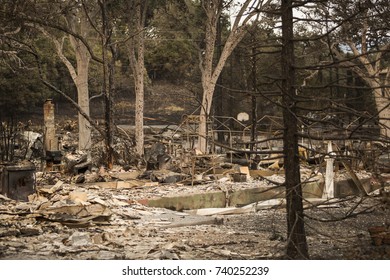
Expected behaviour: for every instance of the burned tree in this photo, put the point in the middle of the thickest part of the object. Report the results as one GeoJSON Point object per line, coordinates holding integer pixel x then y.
{"type": "Point", "coordinates": [73, 25]}
{"type": "Point", "coordinates": [80, 23]}
{"type": "Point", "coordinates": [362, 45]}
{"type": "Point", "coordinates": [296, 237]}
{"type": "Point", "coordinates": [247, 11]}
{"type": "Point", "coordinates": [8, 133]}
{"type": "Point", "coordinates": [318, 93]}
{"type": "Point", "coordinates": [136, 54]}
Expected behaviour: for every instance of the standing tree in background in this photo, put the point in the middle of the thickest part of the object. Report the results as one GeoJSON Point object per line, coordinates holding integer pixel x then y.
{"type": "Point", "coordinates": [80, 75]}
{"type": "Point", "coordinates": [77, 22]}
{"type": "Point", "coordinates": [362, 44]}
{"type": "Point", "coordinates": [59, 22]}
{"type": "Point", "coordinates": [136, 53]}
{"type": "Point", "coordinates": [355, 34]}
{"type": "Point", "coordinates": [210, 71]}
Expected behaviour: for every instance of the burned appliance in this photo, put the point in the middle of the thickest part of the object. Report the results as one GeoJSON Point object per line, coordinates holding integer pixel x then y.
{"type": "Point", "coordinates": [17, 181]}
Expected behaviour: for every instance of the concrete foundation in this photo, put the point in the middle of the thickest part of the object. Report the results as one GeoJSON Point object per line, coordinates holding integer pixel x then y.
{"type": "Point", "coordinates": [240, 198]}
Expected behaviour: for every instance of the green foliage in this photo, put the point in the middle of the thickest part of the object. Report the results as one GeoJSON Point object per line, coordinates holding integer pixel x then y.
{"type": "Point", "coordinates": [171, 59]}
{"type": "Point", "coordinates": [174, 40]}
{"type": "Point", "coordinates": [20, 91]}
{"type": "Point", "coordinates": [258, 45]}
{"type": "Point", "coordinates": [358, 15]}
{"type": "Point", "coordinates": [20, 87]}
{"type": "Point", "coordinates": [170, 49]}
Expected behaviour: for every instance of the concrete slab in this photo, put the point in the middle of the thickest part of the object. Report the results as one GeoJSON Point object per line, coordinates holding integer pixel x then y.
{"type": "Point", "coordinates": [348, 187]}
{"type": "Point", "coordinates": [313, 189]}
{"type": "Point", "coordinates": [243, 197]}
{"type": "Point", "coordinates": [193, 201]}
{"type": "Point", "coordinates": [263, 173]}
{"type": "Point", "coordinates": [248, 196]}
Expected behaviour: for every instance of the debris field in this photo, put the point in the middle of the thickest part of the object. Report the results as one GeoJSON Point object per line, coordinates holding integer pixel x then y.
{"type": "Point", "coordinates": [107, 221]}
{"type": "Point", "coordinates": [181, 205]}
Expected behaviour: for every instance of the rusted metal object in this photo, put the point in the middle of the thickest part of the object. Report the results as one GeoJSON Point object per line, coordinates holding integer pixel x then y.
{"type": "Point", "coordinates": [17, 181]}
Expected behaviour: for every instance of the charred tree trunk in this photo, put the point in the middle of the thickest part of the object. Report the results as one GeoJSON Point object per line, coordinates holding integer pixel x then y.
{"type": "Point", "coordinates": [296, 244]}
{"type": "Point", "coordinates": [218, 99]}
{"type": "Point", "coordinates": [254, 100]}
{"type": "Point", "coordinates": [211, 72]}
{"type": "Point", "coordinates": [109, 124]}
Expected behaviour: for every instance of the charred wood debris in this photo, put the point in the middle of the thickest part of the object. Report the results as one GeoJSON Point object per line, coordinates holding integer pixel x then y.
{"type": "Point", "coordinates": [67, 190]}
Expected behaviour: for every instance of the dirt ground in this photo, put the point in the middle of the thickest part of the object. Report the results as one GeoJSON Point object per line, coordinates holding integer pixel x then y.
{"type": "Point", "coordinates": [133, 231]}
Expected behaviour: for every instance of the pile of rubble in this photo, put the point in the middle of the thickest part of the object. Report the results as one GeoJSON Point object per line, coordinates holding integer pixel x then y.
{"type": "Point", "coordinates": [88, 221]}
{"type": "Point", "coordinates": [210, 207]}
{"type": "Point", "coordinates": [69, 221]}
